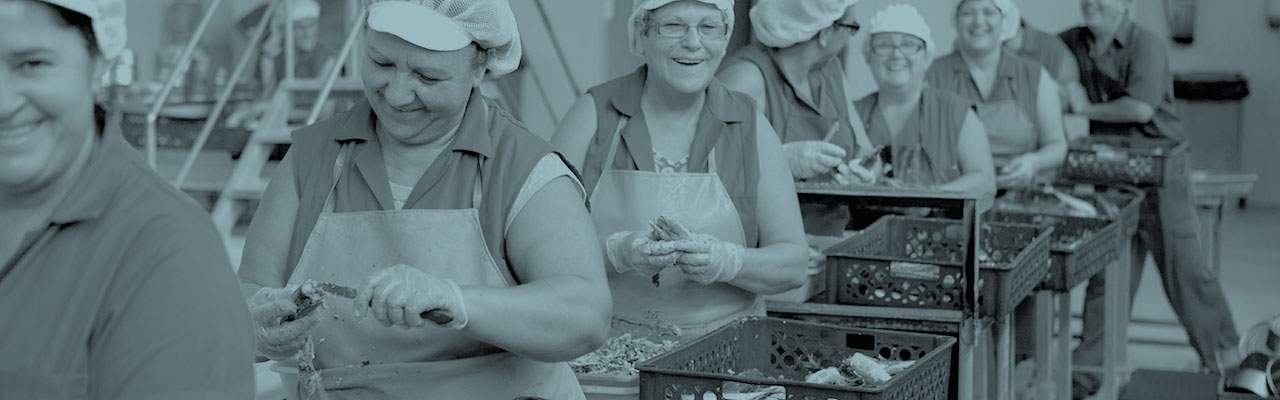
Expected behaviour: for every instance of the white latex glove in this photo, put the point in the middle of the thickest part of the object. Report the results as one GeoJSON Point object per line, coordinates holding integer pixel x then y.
{"type": "Point", "coordinates": [398, 296]}
{"type": "Point", "coordinates": [708, 260]}
{"type": "Point", "coordinates": [811, 158]}
{"type": "Point", "coordinates": [1019, 172]}
{"type": "Point", "coordinates": [640, 252]}
{"type": "Point", "coordinates": [273, 336]}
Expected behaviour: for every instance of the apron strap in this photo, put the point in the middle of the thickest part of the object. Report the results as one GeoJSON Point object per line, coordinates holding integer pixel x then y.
{"type": "Point", "coordinates": [860, 138]}
{"type": "Point", "coordinates": [338, 165]}
{"type": "Point", "coordinates": [613, 143]}
{"type": "Point", "coordinates": [477, 194]}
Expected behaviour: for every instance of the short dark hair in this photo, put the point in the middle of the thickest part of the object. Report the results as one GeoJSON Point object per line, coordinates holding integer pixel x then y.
{"type": "Point", "coordinates": [81, 23]}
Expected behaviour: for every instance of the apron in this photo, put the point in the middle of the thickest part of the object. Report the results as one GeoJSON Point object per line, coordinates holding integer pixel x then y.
{"type": "Point", "coordinates": [629, 200]}
{"type": "Point", "coordinates": [911, 163]}
{"type": "Point", "coordinates": [1010, 131]}
{"type": "Point", "coordinates": [344, 248]}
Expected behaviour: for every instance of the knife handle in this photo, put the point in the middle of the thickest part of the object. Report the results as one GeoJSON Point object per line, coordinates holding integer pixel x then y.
{"type": "Point", "coordinates": [438, 316]}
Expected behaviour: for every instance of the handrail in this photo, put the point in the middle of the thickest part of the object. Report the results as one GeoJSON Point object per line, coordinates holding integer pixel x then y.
{"type": "Point", "coordinates": [184, 61]}
{"type": "Point", "coordinates": [336, 67]}
{"type": "Point", "coordinates": [258, 33]}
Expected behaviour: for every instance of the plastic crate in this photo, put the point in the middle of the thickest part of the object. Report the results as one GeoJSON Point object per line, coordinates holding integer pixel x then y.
{"type": "Point", "coordinates": [1079, 249]}
{"type": "Point", "coordinates": [1128, 199]}
{"type": "Point", "coordinates": [604, 387]}
{"type": "Point", "coordinates": [1122, 159]}
{"type": "Point", "coordinates": [701, 368]}
{"type": "Point", "coordinates": [868, 268]}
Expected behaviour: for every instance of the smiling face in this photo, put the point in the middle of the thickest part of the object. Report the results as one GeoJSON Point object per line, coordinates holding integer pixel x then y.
{"type": "Point", "coordinates": [689, 62]}
{"type": "Point", "coordinates": [897, 60]}
{"type": "Point", "coordinates": [46, 106]}
{"type": "Point", "coordinates": [978, 25]}
{"type": "Point", "coordinates": [1104, 15]}
{"type": "Point", "coordinates": [414, 90]}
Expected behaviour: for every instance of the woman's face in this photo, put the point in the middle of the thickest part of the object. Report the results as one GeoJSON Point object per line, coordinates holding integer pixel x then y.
{"type": "Point", "coordinates": [683, 57]}
{"type": "Point", "coordinates": [897, 60]}
{"type": "Point", "coordinates": [978, 25]}
{"type": "Point", "coordinates": [46, 101]}
{"type": "Point", "coordinates": [414, 90]}
{"type": "Point", "coordinates": [1104, 14]}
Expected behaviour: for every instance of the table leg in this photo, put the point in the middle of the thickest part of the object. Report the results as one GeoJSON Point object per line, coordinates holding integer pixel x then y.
{"type": "Point", "coordinates": [1062, 358]}
{"type": "Point", "coordinates": [1115, 330]}
{"type": "Point", "coordinates": [1004, 357]}
{"type": "Point", "coordinates": [1043, 387]}
{"type": "Point", "coordinates": [969, 333]}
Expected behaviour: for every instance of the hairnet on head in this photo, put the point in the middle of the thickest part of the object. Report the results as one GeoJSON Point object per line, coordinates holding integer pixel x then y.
{"type": "Point", "coordinates": [108, 22]}
{"type": "Point", "coordinates": [303, 9]}
{"type": "Point", "coordinates": [1012, 17]}
{"type": "Point", "coordinates": [641, 7]}
{"type": "Point", "coordinates": [784, 23]}
{"type": "Point", "coordinates": [447, 25]}
{"type": "Point", "coordinates": [904, 18]}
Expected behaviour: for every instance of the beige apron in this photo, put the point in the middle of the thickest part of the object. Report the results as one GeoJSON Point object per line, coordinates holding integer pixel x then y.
{"type": "Point", "coordinates": [628, 201]}
{"type": "Point", "coordinates": [361, 358]}
{"type": "Point", "coordinates": [1009, 130]}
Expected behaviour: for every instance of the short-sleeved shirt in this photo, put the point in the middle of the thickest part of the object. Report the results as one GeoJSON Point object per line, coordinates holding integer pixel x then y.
{"type": "Point", "coordinates": [1017, 80]}
{"type": "Point", "coordinates": [1135, 65]}
{"type": "Point", "coordinates": [127, 294]}
{"type": "Point", "coordinates": [1044, 48]}
{"type": "Point", "coordinates": [727, 124]}
{"type": "Point", "coordinates": [490, 148]}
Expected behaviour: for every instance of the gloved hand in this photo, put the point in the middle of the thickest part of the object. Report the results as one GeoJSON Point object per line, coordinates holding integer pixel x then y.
{"type": "Point", "coordinates": [811, 158]}
{"type": "Point", "coordinates": [1019, 172]}
{"type": "Point", "coordinates": [273, 336]}
{"type": "Point", "coordinates": [398, 296]}
{"type": "Point", "coordinates": [639, 251]}
{"type": "Point", "coordinates": [708, 260]}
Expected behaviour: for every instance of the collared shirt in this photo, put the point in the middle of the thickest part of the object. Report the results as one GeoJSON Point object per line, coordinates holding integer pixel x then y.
{"type": "Point", "coordinates": [1017, 79]}
{"type": "Point", "coordinates": [127, 294]}
{"type": "Point", "coordinates": [1135, 65]}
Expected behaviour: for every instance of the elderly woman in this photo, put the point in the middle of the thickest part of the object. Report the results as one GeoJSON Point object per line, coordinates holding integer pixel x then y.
{"type": "Point", "coordinates": [669, 140]}
{"type": "Point", "coordinates": [433, 204]}
{"type": "Point", "coordinates": [1016, 99]}
{"type": "Point", "coordinates": [936, 139]}
{"type": "Point", "coordinates": [113, 284]}
{"type": "Point", "coordinates": [796, 77]}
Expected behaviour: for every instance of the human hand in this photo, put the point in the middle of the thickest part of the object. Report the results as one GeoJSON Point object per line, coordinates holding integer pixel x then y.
{"type": "Point", "coordinates": [707, 260]}
{"type": "Point", "coordinates": [642, 252]}
{"type": "Point", "coordinates": [1019, 172]}
{"type": "Point", "coordinates": [400, 295]}
{"type": "Point", "coordinates": [275, 337]}
{"type": "Point", "coordinates": [808, 159]}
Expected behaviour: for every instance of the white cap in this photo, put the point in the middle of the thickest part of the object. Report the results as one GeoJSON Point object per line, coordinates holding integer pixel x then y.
{"type": "Point", "coordinates": [108, 22]}
{"type": "Point", "coordinates": [448, 25]}
{"type": "Point", "coordinates": [904, 18]}
{"type": "Point", "coordinates": [640, 7]}
{"type": "Point", "coordinates": [304, 9]}
{"type": "Point", "coordinates": [784, 23]}
{"type": "Point", "coordinates": [1012, 18]}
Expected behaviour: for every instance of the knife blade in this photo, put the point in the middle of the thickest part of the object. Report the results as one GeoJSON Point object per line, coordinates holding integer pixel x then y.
{"type": "Point", "coordinates": [438, 316]}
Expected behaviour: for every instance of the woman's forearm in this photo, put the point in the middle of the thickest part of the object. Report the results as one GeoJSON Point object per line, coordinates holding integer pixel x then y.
{"type": "Point", "coordinates": [772, 269]}
{"type": "Point", "coordinates": [551, 320]}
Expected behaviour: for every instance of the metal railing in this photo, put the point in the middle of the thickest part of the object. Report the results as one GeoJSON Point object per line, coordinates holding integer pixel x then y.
{"type": "Point", "coordinates": [184, 61]}
{"type": "Point", "coordinates": [259, 32]}
{"type": "Point", "coordinates": [335, 68]}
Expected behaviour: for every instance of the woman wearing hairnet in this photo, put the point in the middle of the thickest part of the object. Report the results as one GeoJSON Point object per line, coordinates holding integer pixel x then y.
{"type": "Point", "coordinates": [432, 202]}
{"type": "Point", "coordinates": [937, 140]}
{"type": "Point", "coordinates": [669, 140]}
{"type": "Point", "coordinates": [113, 284]}
{"type": "Point", "coordinates": [795, 74]}
{"type": "Point", "coordinates": [1124, 69]}
{"type": "Point", "coordinates": [1015, 98]}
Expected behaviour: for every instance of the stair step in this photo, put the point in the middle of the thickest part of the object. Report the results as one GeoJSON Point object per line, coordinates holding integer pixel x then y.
{"type": "Point", "coordinates": [253, 189]}
{"type": "Point", "coordinates": [273, 136]}
{"type": "Point", "coordinates": [210, 172]}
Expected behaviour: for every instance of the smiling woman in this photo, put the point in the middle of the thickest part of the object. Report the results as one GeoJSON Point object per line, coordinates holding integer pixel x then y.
{"type": "Point", "coordinates": [95, 244]}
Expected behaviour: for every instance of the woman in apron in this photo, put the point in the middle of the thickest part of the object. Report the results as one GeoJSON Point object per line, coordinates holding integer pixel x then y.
{"type": "Point", "coordinates": [669, 140]}
{"type": "Point", "coordinates": [433, 203]}
{"type": "Point", "coordinates": [935, 139]}
{"type": "Point", "coordinates": [796, 76]}
{"type": "Point", "coordinates": [1015, 98]}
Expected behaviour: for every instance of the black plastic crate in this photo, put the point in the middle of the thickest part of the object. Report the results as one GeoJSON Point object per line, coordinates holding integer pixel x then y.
{"type": "Point", "coordinates": [700, 369]}
{"type": "Point", "coordinates": [1124, 159]}
{"type": "Point", "coordinates": [918, 263]}
{"type": "Point", "coordinates": [1080, 246]}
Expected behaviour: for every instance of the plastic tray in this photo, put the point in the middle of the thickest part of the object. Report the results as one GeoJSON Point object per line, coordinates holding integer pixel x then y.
{"type": "Point", "coordinates": [1079, 249]}
{"type": "Point", "coordinates": [869, 268]}
{"type": "Point", "coordinates": [1123, 159]}
{"type": "Point", "coordinates": [701, 368]}
{"type": "Point", "coordinates": [604, 387]}
{"type": "Point", "coordinates": [1128, 199]}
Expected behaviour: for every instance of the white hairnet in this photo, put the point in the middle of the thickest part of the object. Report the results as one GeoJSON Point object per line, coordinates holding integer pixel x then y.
{"type": "Point", "coordinates": [784, 23]}
{"type": "Point", "coordinates": [108, 22]}
{"type": "Point", "coordinates": [303, 9]}
{"type": "Point", "coordinates": [641, 7]}
{"type": "Point", "coordinates": [904, 18]}
{"type": "Point", "coordinates": [452, 24]}
{"type": "Point", "coordinates": [1012, 19]}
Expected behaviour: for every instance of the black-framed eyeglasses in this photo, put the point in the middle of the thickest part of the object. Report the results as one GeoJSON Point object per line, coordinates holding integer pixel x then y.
{"type": "Point", "coordinates": [679, 30]}
{"type": "Point", "coordinates": [851, 27]}
{"type": "Point", "coordinates": [908, 48]}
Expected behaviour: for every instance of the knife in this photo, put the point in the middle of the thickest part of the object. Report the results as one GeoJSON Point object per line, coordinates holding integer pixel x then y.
{"type": "Point", "coordinates": [308, 304]}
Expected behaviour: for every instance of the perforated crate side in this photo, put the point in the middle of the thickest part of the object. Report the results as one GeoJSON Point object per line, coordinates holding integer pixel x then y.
{"type": "Point", "coordinates": [1091, 256]}
{"type": "Point", "coordinates": [1028, 267]}
{"type": "Point", "coordinates": [1142, 161]}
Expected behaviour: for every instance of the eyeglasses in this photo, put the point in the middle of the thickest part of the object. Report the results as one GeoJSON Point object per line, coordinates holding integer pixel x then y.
{"type": "Point", "coordinates": [677, 30]}
{"type": "Point", "coordinates": [907, 47]}
{"type": "Point", "coordinates": [852, 28]}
